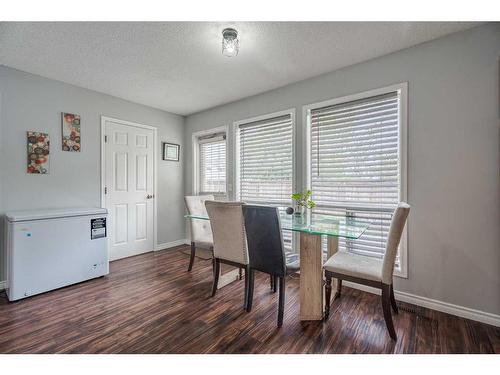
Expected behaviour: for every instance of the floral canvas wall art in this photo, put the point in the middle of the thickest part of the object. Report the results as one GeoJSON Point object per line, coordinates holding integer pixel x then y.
{"type": "Point", "coordinates": [71, 132]}
{"type": "Point", "coordinates": [38, 152]}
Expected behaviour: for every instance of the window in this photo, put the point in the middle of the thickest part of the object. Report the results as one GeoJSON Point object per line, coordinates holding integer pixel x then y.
{"type": "Point", "coordinates": [212, 164]}
{"type": "Point", "coordinates": [356, 164]}
{"type": "Point", "coordinates": [264, 160]}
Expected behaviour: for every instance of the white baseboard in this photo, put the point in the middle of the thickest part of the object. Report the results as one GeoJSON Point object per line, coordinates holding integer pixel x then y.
{"type": "Point", "coordinates": [167, 245]}
{"type": "Point", "coordinates": [3, 285]}
{"type": "Point", "coordinates": [449, 308]}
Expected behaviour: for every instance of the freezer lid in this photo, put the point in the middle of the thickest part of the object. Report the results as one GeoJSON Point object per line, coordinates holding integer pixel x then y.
{"type": "Point", "coordinates": [27, 215]}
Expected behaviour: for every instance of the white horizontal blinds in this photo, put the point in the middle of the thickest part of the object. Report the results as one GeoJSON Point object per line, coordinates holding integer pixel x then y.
{"type": "Point", "coordinates": [266, 169]}
{"type": "Point", "coordinates": [266, 164]}
{"type": "Point", "coordinates": [213, 164]}
{"type": "Point", "coordinates": [354, 165]}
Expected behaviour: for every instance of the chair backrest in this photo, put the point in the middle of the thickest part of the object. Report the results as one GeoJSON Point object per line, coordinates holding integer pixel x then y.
{"type": "Point", "coordinates": [200, 229]}
{"type": "Point", "coordinates": [395, 231]}
{"type": "Point", "coordinates": [228, 230]}
{"type": "Point", "coordinates": [265, 239]}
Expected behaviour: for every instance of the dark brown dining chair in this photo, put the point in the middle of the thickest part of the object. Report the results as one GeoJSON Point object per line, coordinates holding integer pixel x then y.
{"type": "Point", "coordinates": [267, 252]}
{"type": "Point", "coordinates": [368, 271]}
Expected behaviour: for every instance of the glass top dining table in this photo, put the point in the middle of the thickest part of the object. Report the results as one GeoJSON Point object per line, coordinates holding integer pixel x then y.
{"type": "Point", "coordinates": [317, 224]}
{"type": "Point", "coordinates": [311, 227]}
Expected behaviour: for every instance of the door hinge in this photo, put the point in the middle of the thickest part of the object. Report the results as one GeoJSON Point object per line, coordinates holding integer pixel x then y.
{"type": "Point", "coordinates": [105, 139]}
{"type": "Point", "coordinates": [105, 190]}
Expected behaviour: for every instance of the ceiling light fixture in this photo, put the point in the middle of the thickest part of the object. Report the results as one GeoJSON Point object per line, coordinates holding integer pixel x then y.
{"type": "Point", "coordinates": [230, 42]}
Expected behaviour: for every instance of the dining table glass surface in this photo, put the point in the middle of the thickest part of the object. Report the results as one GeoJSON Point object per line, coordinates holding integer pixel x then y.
{"type": "Point", "coordinates": [318, 224]}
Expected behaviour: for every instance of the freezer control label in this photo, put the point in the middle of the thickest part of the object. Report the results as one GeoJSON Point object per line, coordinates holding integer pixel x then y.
{"type": "Point", "coordinates": [97, 228]}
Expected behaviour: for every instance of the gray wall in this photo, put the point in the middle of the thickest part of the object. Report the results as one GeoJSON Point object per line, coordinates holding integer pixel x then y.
{"type": "Point", "coordinates": [453, 168]}
{"type": "Point", "coordinates": [30, 102]}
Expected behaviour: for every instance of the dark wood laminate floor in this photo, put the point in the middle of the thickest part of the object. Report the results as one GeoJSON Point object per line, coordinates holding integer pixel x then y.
{"type": "Point", "coordinates": [150, 304]}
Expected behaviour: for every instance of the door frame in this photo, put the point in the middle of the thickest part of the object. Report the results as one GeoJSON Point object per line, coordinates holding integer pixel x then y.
{"type": "Point", "coordinates": [155, 171]}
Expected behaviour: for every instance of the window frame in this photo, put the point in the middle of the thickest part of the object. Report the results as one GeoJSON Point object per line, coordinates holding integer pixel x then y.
{"type": "Point", "coordinates": [195, 139]}
{"type": "Point", "coordinates": [402, 89]}
{"type": "Point", "coordinates": [236, 147]}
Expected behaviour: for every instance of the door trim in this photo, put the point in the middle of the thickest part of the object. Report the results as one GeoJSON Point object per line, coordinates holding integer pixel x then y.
{"type": "Point", "coordinates": [155, 171]}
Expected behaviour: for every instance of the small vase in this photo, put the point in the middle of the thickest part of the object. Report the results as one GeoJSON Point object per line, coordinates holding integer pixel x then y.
{"type": "Point", "coordinates": [300, 211]}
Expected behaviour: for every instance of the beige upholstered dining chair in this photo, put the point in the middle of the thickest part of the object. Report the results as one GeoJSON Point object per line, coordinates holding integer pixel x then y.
{"type": "Point", "coordinates": [370, 271]}
{"type": "Point", "coordinates": [201, 233]}
{"type": "Point", "coordinates": [230, 242]}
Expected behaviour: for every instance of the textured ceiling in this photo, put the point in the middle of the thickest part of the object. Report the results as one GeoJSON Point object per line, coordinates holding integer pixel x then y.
{"type": "Point", "coordinates": [178, 66]}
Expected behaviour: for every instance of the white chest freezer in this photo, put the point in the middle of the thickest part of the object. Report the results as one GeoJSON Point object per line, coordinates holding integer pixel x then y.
{"type": "Point", "coordinates": [49, 249]}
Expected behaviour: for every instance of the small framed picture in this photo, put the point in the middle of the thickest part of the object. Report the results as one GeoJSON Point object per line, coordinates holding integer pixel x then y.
{"type": "Point", "coordinates": [170, 151]}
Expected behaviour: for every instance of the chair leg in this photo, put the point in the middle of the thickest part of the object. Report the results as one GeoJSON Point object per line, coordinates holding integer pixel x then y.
{"type": "Point", "coordinates": [386, 307]}
{"type": "Point", "coordinates": [251, 277]}
{"type": "Point", "coordinates": [245, 302]}
{"type": "Point", "coordinates": [281, 303]}
{"type": "Point", "coordinates": [328, 293]}
{"type": "Point", "coordinates": [275, 283]}
{"type": "Point", "coordinates": [191, 258]}
{"type": "Point", "coordinates": [213, 261]}
{"type": "Point", "coordinates": [216, 276]}
{"type": "Point", "coordinates": [271, 281]}
{"type": "Point", "coordinates": [339, 289]}
{"type": "Point", "coordinates": [393, 301]}
{"type": "Point", "coordinates": [240, 273]}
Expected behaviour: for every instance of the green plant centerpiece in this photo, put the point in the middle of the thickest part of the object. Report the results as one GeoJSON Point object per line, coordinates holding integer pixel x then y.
{"type": "Point", "coordinates": [302, 202]}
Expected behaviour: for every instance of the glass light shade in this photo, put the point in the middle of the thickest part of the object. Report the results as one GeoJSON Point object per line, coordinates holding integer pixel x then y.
{"type": "Point", "coordinates": [230, 42]}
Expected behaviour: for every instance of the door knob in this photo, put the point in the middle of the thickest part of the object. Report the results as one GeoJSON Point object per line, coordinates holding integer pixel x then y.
{"type": "Point", "coordinates": [149, 196]}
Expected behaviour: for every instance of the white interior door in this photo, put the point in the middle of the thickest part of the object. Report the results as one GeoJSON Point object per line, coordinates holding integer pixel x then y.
{"type": "Point", "coordinates": [129, 188]}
